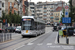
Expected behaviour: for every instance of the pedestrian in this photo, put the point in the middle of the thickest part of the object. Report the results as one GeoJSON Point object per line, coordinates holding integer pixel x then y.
{"type": "Point", "coordinates": [60, 32]}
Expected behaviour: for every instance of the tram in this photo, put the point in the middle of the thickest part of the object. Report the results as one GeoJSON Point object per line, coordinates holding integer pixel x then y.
{"type": "Point", "coordinates": [32, 26]}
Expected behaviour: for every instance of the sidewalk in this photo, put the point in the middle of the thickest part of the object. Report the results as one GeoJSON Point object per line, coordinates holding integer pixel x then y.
{"type": "Point", "coordinates": [62, 40]}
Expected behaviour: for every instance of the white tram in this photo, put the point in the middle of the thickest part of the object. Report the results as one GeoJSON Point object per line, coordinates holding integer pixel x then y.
{"type": "Point", "coordinates": [32, 26]}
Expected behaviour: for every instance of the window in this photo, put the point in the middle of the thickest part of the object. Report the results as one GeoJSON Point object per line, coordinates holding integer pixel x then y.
{"type": "Point", "coordinates": [33, 11]}
{"type": "Point", "coordinates": [45, 10]}
{"type": "Point", "coordinates": [56, 18]}
{"type": "Point", "coordinates": [40, 14]}
{"type": "Point", "coordinates": [28, 24]}
{"type": "Point", "coordinates": [39, 6]}
{"type": "Point", "coordinates": [31, 3]}
{"type": "Point", "coordinates": [58, 14]}
{"type": "Point", "coordinates": [51, 10]}
{"type": "Point", "coordinates": [32, 14]}
{"type": "Point", "coordinates": [10, 4]}
{"type": "Point", "coordinates": [14, 11]}
{"type": "Point", "coordinates": [45, 7]}
{"type": "Point", "coordinates": [51, 13]}
{"type": "Point", "coordinates": [51, 6]}
{"type": "Point", "coordinates": [31, 7]}
{"type": "Point", "coordinates": [45, 13]}
{"type": "Point", "coordinates": [40, 17]}
{"type": "Point", "coordinates": [2, 4]}
{"type": "Point", "coordinates": [51, 17]}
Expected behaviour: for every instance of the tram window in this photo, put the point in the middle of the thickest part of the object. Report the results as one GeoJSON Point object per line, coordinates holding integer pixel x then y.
{"type": "Point", "coordinates": [35, 25]}
{"type": "Point", "coordinates": [26, 28]}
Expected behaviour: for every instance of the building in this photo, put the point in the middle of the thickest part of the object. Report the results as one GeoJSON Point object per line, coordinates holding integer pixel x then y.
{"type": "Point", "coordinates": [73, 2]}
{"type": "Point", "coordinates": [31, 9]}
{"type": "Point", "coordinates": [3, 9]}
{"type": "Point", "coordinates": [0, 8]}
{"type": "Point", "coordinates": [20, 7]}
{"type": "Point", "coordinates": [5, 6]}
{"type": "Point", "coordinates": [0, 13]}
{"type": "Point", "coordinates": [13, 6]}
{"type": "Point", "coordinates": [25, 7]}
{"type": "Point", "coordinates": [45, 10]}
{"type": "Point", "coordinates": [58, 14]}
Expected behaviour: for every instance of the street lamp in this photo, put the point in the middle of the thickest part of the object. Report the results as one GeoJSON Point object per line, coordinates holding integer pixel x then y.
{"type": "Point", "coordinates": [71, 12]}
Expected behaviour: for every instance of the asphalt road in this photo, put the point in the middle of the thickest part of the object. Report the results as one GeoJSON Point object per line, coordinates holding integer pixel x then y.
{"type": "Point", "coordinates": [45, 41]}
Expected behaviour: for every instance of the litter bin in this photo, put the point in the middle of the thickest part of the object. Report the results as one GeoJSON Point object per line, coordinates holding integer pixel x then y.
{"type": "Point", "coordinates": [70, 31]}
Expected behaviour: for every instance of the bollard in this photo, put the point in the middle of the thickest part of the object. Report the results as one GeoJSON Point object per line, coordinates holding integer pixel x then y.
{"type": "Point", "coordinates": [10, 36]}
{"type": "Point", "coordinates": [67, 40]}
{"type": "Point", "coordinates": [58, 38]}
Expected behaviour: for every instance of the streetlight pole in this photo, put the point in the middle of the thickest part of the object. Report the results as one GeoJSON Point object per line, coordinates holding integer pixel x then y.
{"type": "Point", "coordinates": [29, 8]}
{"type": "Point", "coordinates": [71, 12]}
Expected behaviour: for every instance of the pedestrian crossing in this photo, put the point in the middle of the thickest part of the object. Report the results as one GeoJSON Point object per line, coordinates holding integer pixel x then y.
{"type": "Point", "coordinates": [39, 44]}
{"type": "Point", "coordinates": [49, 45]}
{"type": "Point", "coordinates": [30, 44]}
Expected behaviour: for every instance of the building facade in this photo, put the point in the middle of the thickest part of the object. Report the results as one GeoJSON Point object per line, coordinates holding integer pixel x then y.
{"type": "Point", "coordinates": [31, 9]}
{"type": "Point", "coordinates": [20, 7]}
{"type": "Point", "coordinates": [45, 10]}
{"type": "Point", "coordinates": [58, 14]}
{"type": "Point", "coordinates": [13, 6]}
{"type": "Point", "coordinates": [25, 7]}
{"type": "Point", "coordinates": [3, 9]}
{"type": "Point", "coordinates": [5, 6]}
{"type": "Point", "coordinates": [73, 2]}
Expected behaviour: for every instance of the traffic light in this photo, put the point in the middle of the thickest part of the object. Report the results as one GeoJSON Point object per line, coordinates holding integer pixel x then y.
{"type": "Point", "coordinates": [3, 21]}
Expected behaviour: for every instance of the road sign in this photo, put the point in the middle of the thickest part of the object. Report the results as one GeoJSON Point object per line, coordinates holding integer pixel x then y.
{"type": "Point", "coordinates": [66, 20]}
{"type": "Point", "coordinates": [66, 11]}
{"type": "Point", "coordinates": [66, 7]}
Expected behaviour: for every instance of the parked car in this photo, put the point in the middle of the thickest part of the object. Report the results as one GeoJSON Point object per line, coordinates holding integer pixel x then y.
{"type": "Point", "coordinates": [18, 29]}
{"type": "Point", "coordinates": [10, 29]}
{"type": "Point", "coordinates": [1, 30]}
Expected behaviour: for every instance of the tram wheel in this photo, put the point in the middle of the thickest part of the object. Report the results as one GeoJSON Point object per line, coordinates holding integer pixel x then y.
{"type": "Point", "coordinates": [22, 36]}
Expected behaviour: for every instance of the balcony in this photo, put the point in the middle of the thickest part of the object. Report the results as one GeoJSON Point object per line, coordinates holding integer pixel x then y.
{"type": "Point", "coordinates": [45, 14]}
{"type": "Point", "coordinates": [51, 11]}
{"type": "Point", "coordinates": [51, 17]}
{"type": "Point", "coordinates": [45, 11]}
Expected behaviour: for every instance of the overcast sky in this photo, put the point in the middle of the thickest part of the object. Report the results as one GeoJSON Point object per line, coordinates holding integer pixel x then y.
{"type": "Point", "coordinates": [47, 0]}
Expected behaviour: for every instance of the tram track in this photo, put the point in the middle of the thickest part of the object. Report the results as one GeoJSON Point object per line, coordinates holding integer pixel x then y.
{"type": "Point", "coordinates": [19, 42]}
{"type": "Point", "coordinates": [5, 45]}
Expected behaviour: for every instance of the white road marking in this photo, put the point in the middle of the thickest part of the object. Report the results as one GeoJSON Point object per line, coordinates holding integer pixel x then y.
{"type": "Point", "coordinates": [49, 43]}
{"type": "Point", "coordinates": [54, 46]}
{"type": "Point", "coordinates": [68, 47]}
{"type": "Point", "coordinates": [19, 47]}
{"type": "Point", "coordinates": [40, 44]}
{"type": "Point", "coordinates": [30, 44]}
{"type": "Point", "coordinates": [56, 38]}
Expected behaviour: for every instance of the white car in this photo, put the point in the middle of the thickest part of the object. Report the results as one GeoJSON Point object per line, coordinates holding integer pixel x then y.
{"type": "Point", "coordinates": [18, 29]}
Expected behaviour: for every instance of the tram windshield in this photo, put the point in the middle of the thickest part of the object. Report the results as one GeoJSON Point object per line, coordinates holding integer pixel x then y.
{"type": "Point", "coordinates": [27, 24]}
